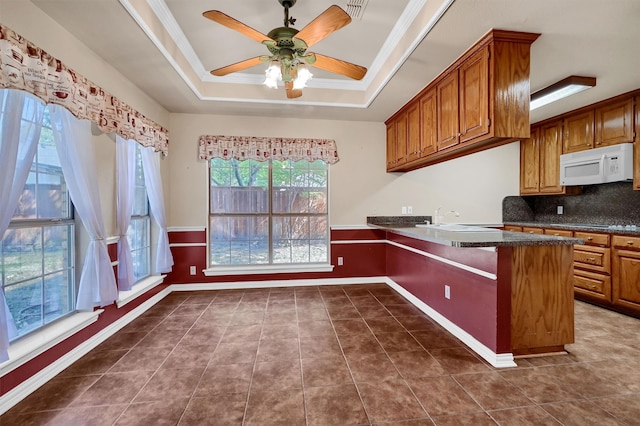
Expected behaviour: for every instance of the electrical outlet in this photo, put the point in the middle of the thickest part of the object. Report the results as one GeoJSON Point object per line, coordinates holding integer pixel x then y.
{"type": "Point", "coordinates": [409, 210]}
{"type": "Point", "coordinates": [404, 209]}
{"type": "Point", "coordinates": [447, 292]}
{"type": "Point", "coordinates": [192, 270]}
{"type": "Point", "coordinates": [340, 261]}
{"type": "Point", "coordinates": [560, 209]}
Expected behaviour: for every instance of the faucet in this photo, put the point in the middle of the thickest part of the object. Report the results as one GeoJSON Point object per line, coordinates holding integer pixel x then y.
{"type": "Point", "coordinates": [437, 217]}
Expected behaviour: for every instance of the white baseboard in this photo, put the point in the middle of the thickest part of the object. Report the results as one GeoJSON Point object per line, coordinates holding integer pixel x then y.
{"type": "Point", "coordinates": [276, 283]}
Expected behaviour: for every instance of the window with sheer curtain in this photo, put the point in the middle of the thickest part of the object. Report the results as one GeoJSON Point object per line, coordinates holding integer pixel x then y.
{"type": "Point", "coordinates": [37, 250]}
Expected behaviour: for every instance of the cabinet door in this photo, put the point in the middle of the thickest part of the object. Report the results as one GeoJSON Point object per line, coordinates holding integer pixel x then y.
{"type": "Point", "coordinates": [401, 138]}
{"type": "Point", "coordinates": [413, 132]}
{"type": "Point", "coordinates": [530, 164]}
{"type": "Point", "coordinates": [473, 77]}
{"type": "Point", "coordinates": [391, 145]}
{"type": "Point", "coordinates": [447, 101]}
{"type": "Point", "coordinates": [614, 123]}
{"type": "Point", "coordinates": [626, 278]}
{"type": "Point", "coordinates": [429, 139]}
{"type": "Point", "coordinates": [578, 132]}
{"type": "Point", "coordinates": [550, 150]}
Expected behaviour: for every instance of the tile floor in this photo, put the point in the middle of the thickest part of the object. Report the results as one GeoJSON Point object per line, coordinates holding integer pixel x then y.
{"type": "Point", "coordinates": [332, 355]}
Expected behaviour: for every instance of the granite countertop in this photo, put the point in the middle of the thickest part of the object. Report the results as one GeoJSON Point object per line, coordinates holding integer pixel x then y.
{"type": "Point", "coordinates": [473, 236]}
{"type": "Point", "coordinates": [606, 229]}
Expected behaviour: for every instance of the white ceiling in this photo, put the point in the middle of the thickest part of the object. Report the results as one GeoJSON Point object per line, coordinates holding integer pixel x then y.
{"type": "Point", "coordinates": [167, 48]}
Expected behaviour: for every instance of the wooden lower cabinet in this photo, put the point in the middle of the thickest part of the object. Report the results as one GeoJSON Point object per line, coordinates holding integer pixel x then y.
{"type": "Point", "coordinates": [626, 271]}
{"type": "Point", "coordinates": [606, 268]}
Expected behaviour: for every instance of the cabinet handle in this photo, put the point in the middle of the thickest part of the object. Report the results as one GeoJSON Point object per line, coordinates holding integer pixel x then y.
{"type": "Point", "coordinates": [629, 243]}
{"type": "Point", "coordinates": [590, 259]}
{"type": "Point", "coordinates": [590, 238]}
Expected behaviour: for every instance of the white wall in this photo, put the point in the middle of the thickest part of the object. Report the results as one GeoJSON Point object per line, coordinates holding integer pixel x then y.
{"type": "Point", "coordinates": [359, 185]}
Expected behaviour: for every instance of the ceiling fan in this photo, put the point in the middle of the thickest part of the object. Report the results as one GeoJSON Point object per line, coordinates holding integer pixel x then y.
{"type": "Point", "coordinates": [288, 48]}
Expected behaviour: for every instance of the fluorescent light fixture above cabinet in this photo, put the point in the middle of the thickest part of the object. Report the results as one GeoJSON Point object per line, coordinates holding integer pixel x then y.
{"type": "Point", "coordinates": [563, 88]}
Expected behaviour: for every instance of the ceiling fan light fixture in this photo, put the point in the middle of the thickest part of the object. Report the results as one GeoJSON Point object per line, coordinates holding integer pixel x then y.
{"type": "Point", "coordinates": [303, 76]}
{"type": "Point", "coordinates": [273, 74]}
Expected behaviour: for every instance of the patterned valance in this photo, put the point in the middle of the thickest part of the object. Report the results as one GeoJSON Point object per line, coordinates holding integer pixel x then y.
{"type": "Point", "coordinates": [25, 66]}
{"type": "Point", "coordinates": [262, 149]}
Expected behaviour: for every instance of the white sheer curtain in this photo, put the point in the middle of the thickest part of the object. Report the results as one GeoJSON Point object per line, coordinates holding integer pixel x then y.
{"type": "Point", "coordinates": [73, 143]}
{"type": "Point", "coordinates": [20, 125]}
{"type": "Point", "coordinates": [125, 194]}
{"type": "Point", "coordinates": [153, 182]}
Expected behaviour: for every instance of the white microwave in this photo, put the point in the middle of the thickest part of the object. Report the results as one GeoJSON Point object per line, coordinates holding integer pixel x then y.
{"type": "Point", "coordinates": [600, 165]}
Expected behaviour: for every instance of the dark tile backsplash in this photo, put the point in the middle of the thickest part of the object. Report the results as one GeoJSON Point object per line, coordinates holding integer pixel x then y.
{"type": "Point", "coordinates": [607, 204]}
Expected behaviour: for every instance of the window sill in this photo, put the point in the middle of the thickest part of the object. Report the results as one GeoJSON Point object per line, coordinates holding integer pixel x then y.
{"type": "Point", "coordinates": [138, 288]}
{"type": "Point", "coordinates": [266, 269]}
{"type": "Point", "coordinates": [31, 346]}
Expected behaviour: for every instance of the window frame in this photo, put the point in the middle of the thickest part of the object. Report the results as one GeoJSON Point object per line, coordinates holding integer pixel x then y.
{"type": "Point", "coordinates": [270, 266]}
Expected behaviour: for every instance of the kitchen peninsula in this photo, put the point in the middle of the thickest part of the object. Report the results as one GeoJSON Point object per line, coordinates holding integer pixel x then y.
{"type": "Point", "coordinates": [504, 294]}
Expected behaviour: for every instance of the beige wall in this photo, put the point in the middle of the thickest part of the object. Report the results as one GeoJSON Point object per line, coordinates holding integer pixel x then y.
{"type": "Point", "coordinates": [359, 186]}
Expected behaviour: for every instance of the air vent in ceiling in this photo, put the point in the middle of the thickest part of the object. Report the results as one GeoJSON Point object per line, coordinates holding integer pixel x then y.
{"type": "Point", "coordinates": [355, 8]}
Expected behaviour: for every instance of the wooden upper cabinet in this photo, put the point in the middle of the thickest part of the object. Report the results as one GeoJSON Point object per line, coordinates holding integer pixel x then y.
{"type": "Point", "coordinates": [413, 132]}
{"type": "Point", "coordinates": [550, 150]}
{"type": "Point", "coordinates": [578, 132]}
{"type": "Point", "coordinates": [479, 102]}
{"type": "Point", "coordinates": [429, 123]}
{"type": "Point", "coordinates": [530, 164]}
{"type": "Point", "coordinates": [447, 111]}
{"type": "Point", "coordinates": [614, 123]}
{"type": "Point", "coordinates": [473, 80]}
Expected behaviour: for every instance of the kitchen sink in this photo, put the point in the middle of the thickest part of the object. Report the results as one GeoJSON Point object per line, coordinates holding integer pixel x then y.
{"type": "Point", "coordinates": [457, 227]}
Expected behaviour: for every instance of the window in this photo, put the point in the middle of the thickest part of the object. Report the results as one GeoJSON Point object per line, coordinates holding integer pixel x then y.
{"type": "Point", "coordinates": [139, 232]}
{"type": "Point", "coordinates": [37, 250]}
{"type": "Point", "coordinates": [271, 212]}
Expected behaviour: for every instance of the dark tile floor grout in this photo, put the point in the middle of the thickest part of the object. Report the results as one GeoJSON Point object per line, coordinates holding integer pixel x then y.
{"type": "Point", "coordinates": [332, 355]}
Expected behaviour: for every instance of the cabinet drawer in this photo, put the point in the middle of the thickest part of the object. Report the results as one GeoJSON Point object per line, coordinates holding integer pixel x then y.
{"type": "Point", "coordinates": [603, 240]}
{"type": "Point", "coordinates": [631, 243]}
{"type": "Point", "coordinates": [559, 232]}
{"type": "Point", "coordinates": [531, 230]}
{"type": "Point", "coordinates": [592, 284]}
{"type": "Point", "coordinates": [592, 258]}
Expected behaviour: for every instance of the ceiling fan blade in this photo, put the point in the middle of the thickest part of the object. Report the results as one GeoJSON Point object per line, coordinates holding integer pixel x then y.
{"type": "Point", "coordinates": [291, 92]}
{"type": "Point", "coordinates": [327, 22]}
{"type": "Point", "coordinates": [238, 66]}
{"type": "Point", "coordinates": [234, 24]}
{"type": "Point", "coordinates": [338, 66]}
